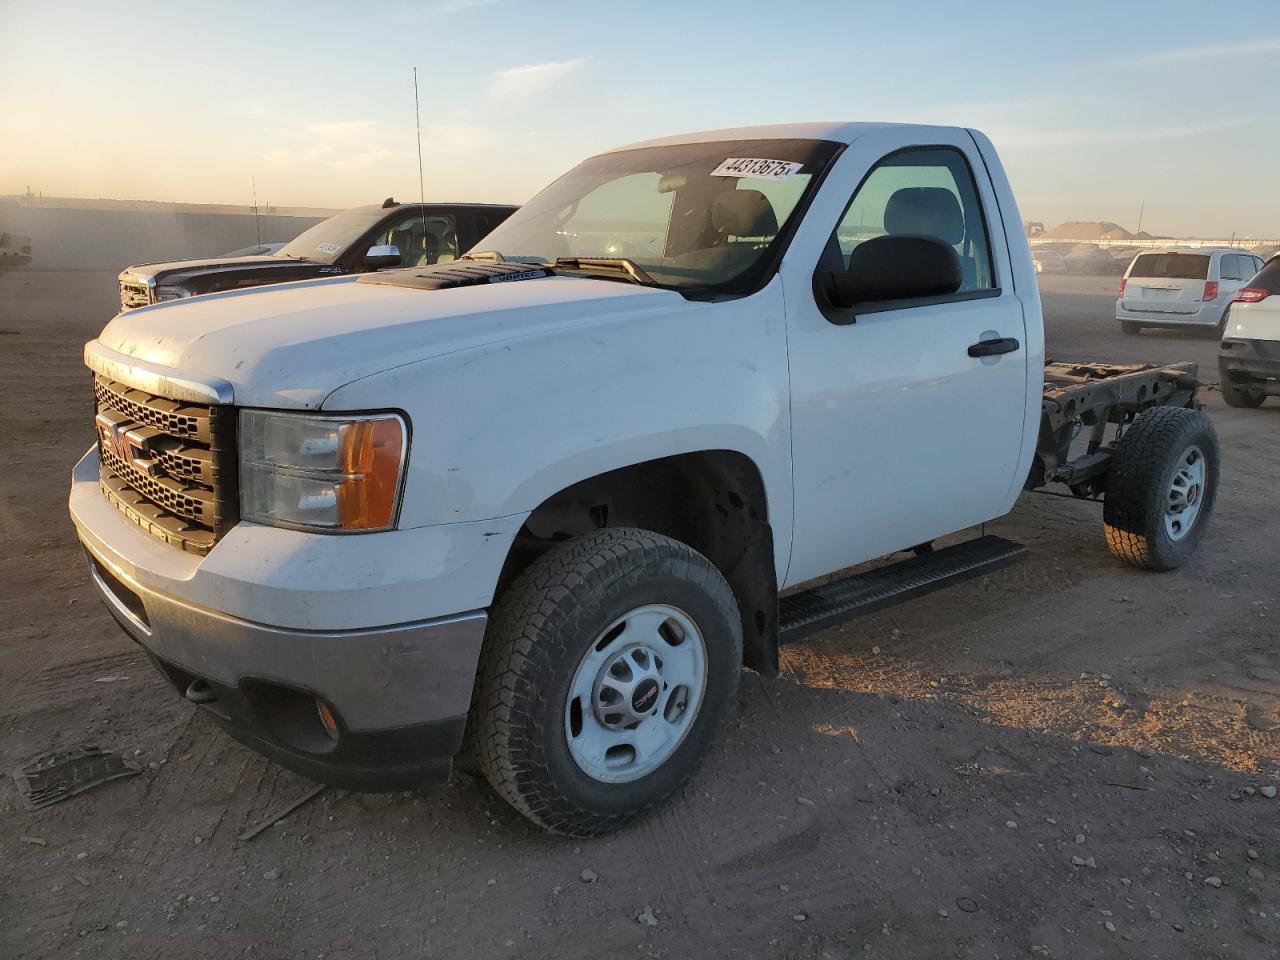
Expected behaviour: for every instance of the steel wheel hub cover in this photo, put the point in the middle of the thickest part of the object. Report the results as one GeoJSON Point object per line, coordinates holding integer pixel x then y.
{"type": "Point", "coordinates": [628, 687]}
{"type": "Point", "coordinates": [635, 693]}
{"type": "Point", "coordinates": [1186, 493]}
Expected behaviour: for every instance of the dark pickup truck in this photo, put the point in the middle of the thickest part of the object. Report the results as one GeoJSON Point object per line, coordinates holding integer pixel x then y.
{"type": "Point", "coordinates": [357, 240]}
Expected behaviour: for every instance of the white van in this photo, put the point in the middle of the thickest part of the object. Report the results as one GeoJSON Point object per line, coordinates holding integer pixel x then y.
{"type": "Point", "coordinates": [1177, 288]}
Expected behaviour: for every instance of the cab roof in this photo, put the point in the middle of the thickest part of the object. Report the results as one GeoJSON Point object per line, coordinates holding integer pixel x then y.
{"type": "Point", "coordinates": [835, 131]}
{"type": "Point", "coordinates": [378, 207]}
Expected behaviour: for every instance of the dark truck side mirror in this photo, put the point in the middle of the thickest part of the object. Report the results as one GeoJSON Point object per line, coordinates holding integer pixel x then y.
{"type": "Point", "coordinates": [382, 255]}
{"type": "Point", "coordinates": [899, 267]}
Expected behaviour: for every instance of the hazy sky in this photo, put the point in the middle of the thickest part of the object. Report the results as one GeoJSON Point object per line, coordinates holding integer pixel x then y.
{"type": "Point", "coordinates": [1096, 107]}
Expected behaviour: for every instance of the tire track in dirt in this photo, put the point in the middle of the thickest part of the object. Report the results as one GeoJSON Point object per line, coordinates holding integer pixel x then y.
{"type": "Point", "coordinates": [71, 683]}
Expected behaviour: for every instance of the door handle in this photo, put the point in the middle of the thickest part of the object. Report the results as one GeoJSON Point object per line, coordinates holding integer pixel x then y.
{"type": "Point", "coordinates": [993, 348]}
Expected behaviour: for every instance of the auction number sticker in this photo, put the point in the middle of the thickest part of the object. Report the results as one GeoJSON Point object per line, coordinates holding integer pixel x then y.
{"type": "Point", "coordinates": [330, 248]}
{"type": "Point", "coordinates": [756, 167]}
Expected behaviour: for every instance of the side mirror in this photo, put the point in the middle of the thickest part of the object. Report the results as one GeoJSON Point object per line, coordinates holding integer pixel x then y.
{"type": "Point", "coordinates": [382, 255]}
{"type": "Point", "coordinates": [896, 267]}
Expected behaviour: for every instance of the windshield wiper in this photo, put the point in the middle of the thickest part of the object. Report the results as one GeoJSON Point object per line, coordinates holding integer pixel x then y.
{"type": "Point", "coordinates": [620, 265]}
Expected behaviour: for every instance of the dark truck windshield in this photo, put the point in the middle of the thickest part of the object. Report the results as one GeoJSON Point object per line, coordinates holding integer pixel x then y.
{"type": "Point", "coordinates": [329, 239]}
{"type": "Point", "coordinates": [693, 215]}
{"type": "Point", "coordinates": [1171, 266]}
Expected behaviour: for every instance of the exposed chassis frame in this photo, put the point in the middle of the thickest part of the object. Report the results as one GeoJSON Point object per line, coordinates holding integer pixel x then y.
{"type": "Point", "coordinates": [1089, 396]}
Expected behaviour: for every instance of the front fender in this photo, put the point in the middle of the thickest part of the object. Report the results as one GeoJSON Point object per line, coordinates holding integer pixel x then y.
{"type": "Point", "coordinates": [497, 429]}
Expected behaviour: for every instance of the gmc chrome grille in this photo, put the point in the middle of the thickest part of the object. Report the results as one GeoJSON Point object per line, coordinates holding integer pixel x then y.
{"type": "Point", "coordinates": [168, 465]}
{"type": "Point", "coordinates": [134, 295]}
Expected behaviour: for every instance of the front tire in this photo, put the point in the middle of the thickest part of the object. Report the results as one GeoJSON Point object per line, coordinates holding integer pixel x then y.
{"type": "Point", "coordinates": [1161, 488]}
{"type": "Point", "coordinates": [609, 665]}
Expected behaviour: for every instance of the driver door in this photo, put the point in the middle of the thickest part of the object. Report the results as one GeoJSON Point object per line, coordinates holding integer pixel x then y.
{"type": "Point", "coordinates": [899, 434]}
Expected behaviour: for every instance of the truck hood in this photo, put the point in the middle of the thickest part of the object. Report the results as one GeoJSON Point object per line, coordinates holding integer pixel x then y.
{"type": "Point", "coordinates": [176, 271]}
{"type": "Point", "coordinates": [293, 344]}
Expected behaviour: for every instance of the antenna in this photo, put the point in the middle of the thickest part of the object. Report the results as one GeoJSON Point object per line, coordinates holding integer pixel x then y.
{"type": "Point", "coordinates": [417, 120]}
{"type": "Point", "coordinates": [257, 229]}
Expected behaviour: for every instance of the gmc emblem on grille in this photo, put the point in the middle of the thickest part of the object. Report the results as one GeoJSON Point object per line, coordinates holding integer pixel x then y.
{"type": "Point", "coordinates": [128, 443]}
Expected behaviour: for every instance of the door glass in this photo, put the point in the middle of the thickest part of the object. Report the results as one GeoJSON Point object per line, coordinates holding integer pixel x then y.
{"type": "Point", "coordinates": [491, 220]}
{"type": "Point", "coordinates": [1230, 268]}
{"type": "Point", "coordinates": [929, 191]}
{"type": "Point", "coordinates": [423, 239]}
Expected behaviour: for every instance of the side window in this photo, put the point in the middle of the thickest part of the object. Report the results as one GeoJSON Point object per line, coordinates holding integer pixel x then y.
{"type": "Point", "coordinates": [489, 221]}
{"type": "Point", "coordinates": [423, 239]}
{"type": "Point", "coordinates": [929, 191]}
{"type": "Point", "coordinates": [1230, 268]}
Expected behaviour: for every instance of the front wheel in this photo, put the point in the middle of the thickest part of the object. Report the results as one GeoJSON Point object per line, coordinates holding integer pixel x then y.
{"type": "Point", "coordinates": [608, 667]}
{"type": "Point", "coordinates": [1161, 488]}
{"type": "Point", "coordinates": [1131, 328]}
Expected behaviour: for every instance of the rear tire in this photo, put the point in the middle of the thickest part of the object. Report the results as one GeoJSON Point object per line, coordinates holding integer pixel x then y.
{"type": "Point", "coordinates": [1238, 394]}
{"type": "Point", "coordinates": [1161, 488]}
{"type": "Point", "coordinates": [1131, 328]}
{"type": "Point", "coordinates": [614, 623]}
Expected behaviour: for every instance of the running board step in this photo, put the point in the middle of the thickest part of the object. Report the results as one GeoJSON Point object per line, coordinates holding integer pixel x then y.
{"type": "Point", "coordinates": [803, 614]}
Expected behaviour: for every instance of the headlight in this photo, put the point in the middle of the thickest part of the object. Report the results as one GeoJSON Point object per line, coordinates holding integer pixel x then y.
{"type": "Point", "coordinates": [323, 473]}
{"type": "Point", "coordinates": [171, 293]}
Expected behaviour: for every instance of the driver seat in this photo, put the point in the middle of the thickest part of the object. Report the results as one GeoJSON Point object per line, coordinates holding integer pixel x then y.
{"type": "Point", "coordinates": [931, 212]}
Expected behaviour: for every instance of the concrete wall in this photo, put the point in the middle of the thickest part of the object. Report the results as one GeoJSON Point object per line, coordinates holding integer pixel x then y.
{"type": "Point", "coordinates": [69, 239]}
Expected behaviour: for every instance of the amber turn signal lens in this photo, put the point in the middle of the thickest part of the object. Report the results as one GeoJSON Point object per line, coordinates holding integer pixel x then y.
{"type": "Point", "coordinates": [326, 718]}
{"type": "Point", "coordinates": [370, 455]}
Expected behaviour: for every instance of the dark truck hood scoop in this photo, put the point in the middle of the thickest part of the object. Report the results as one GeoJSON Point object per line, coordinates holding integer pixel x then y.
{"type": "Point", "coordinates": [463, 273]}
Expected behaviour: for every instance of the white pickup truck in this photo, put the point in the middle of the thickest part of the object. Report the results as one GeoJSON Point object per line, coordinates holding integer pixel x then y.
{"type": "Point", "coordinates": [534, 508]}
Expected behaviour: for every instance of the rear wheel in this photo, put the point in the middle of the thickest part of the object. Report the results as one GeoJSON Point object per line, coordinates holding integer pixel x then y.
{"type": "Point", "coordinates": [1161, 488]}
{"type": "Point", "coordinates": [1238, 394]}
{"type": "Point", "coordinates": [1131, 328]}
{"type": "Point", "coordinates": [608, 667]}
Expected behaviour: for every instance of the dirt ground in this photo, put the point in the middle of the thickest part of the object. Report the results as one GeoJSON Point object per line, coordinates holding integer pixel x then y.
{"type": "Point", "coordinates": [1053, 761]}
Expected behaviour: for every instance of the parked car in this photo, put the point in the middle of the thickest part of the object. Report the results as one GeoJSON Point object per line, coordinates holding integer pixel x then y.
{"type": "Point", "coordinates": [1048, 261]}
{"type": "Point", "coordinates": [1249, 357]}
{"type": "Point", "coordinates": [1176, 288]}
{"type": "Point", "coordinates": [357, 240]}
{"type": "Point", "coordinates": [15, 250]}
{"type": "Point", "coordinates": [533, 508]}
{"type": "Point", "coordinates": [1089, 259]}
{"type": "Point", "coordinates": [256, 250]}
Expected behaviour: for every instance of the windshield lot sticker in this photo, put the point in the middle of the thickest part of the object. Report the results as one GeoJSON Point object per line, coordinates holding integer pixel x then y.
{"type": "Point", "coordinates": [755, 167]}
{"type": "Point", "coordinates": [329, 248]}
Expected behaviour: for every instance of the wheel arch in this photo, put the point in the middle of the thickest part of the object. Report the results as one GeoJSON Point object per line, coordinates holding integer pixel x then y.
{"type": "Point", "coordinates": [715, 500]}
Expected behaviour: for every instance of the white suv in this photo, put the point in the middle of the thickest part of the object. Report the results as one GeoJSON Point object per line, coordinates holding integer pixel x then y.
{"type": "Point", "coordinates": [1177, 288]}
{"type": "Point", "coordinates": [1249, 359]}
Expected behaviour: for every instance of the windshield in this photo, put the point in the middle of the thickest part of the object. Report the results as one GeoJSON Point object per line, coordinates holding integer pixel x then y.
{"type": "Point", "coordinates": [1171, 266]}
{"type": "Point", "coordinates": [694, 215]}
{"type": "Point", "coordinates": [329, 239]}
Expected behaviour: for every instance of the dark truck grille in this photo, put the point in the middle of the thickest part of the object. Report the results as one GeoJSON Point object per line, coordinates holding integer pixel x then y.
{"type": "Point", "coordinates": [168, 465]}
{"type": "Point", "coordinates": [134, 295]}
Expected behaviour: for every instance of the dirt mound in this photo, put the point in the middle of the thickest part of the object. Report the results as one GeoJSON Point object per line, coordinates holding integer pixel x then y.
{"type": "Point", "coordinates": [1089, 231]}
